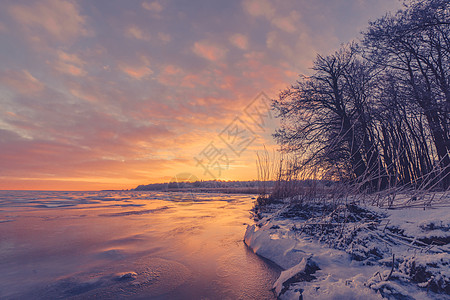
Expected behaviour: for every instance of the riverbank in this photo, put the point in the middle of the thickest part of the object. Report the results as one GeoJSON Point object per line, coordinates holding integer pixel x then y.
{"type": "Point", "coordinates": [345, 250]}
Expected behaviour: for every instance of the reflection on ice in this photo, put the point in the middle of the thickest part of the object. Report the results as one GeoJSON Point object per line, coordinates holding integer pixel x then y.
{"type": "Point", "coordinates": [128, 245]}
{"type": "Point", "coordinates": [134, 212]}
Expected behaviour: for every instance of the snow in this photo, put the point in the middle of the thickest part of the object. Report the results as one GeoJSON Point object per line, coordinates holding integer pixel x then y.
{"type": "Point", "coordinates": [283, 252]}
{"type": "Point", "coordinates": [420, 223]}
{"type": "Point", "coordinates": [338, 275]}
{"type": "Point", "coordinates": [355, 257]}
{"type": "Point", "coordinates": [288, 274]}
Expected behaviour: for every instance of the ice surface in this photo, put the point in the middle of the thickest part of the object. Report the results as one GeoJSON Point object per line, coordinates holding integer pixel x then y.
{"type": "Point", "coordinates": [135, 245]}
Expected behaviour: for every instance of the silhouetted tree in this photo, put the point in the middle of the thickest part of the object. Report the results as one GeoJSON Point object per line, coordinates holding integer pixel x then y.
{"type": "Point", "coordinates": [378, 114]}
{"type": "Point", "coordinates": [414, 47]}
{"type": "Point", "coordinates": [326, 117]}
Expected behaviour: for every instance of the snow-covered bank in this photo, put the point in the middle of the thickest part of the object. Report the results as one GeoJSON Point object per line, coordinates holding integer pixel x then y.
{"type": "Point", "coordinates": [353, 251]}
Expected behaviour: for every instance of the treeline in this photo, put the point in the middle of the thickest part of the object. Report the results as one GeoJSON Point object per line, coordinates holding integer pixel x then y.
{"type": "Point", "coordinates": [210, 184]}
{"type": "Point", "coordinates": [260, 187]}
{"type": "Point", "coordinates": [377, 112]}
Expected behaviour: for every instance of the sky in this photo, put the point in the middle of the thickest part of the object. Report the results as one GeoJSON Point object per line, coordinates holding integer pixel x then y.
{"type": "Point", "coordinates": [110, 94]}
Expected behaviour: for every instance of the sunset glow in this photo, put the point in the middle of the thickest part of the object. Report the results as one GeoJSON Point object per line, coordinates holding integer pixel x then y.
{"type": "Point", "coordinates": [113, 94]}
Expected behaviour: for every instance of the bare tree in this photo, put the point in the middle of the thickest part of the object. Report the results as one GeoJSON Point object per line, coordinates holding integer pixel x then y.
{"type": "Point", "coordinates": [377, 115]}
{"type": "Point", "coordinates": [413, 46]}
{"type": "Point", "coordinates": [325, 117]}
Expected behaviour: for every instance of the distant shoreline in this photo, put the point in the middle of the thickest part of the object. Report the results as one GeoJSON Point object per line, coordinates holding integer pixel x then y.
{"type": "Point", "coordinates": [237, 190]}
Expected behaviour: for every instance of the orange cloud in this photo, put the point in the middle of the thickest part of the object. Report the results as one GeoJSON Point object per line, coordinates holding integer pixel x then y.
{"type": "Point", "coordinates": [136, 72]}
{"type": "Point", "coordinates": [209, 51]}
{"type": "Point", "coordinates": [138, 69]}
{"type": "Point", "coordinates": [89, 113]}
{"type": "Point", "coordinates": [52, 184]}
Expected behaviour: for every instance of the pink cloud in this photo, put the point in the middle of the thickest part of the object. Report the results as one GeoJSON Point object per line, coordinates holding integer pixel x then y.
{"type": "Point", "coordinates": [192, 81]}
{"type": "Point", "coordinates": [136, 72]}
{"type": "Point", "coordinates": [69, 64]}
{"type": "Point", "coordinates": [21, 82]}
{"type": "Point", "coordinates": [259, 8]}
{"type": "Point", "coordinates": [263, 8]}
{"type": "Point", "coordinates": [240, 41]}
{"type": "Point", "coordinates": [70, 58]}
{"type": "Point", "coordinates": [90, 113]}
{"type": "Point", "coordinates": [69, 69]}
{"type": "Point", "coordinates": [171, 75]}
{"type": "Point", "coordinates": [268, 77]}
{"type": "Point", "coordinates": [82, 94]}
{"type": "Point", "coordinates": [172, 70]}
{"type": "Point", "coordinates": [288, 23]}
{"type": "Point", "coordinates": [60, 19]}
{"type": "Point", "coordinates": [209, 51]}
{"type": "Point", "coordinates": [153, 6]}
{"type": "Point", "coordinates": [135, 32]}
{"type": "Point", "coordinates": [138, 69]}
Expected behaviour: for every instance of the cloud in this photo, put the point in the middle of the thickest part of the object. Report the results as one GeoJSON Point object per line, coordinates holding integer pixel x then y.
{"type": "Point", "coordinates": [259, 8]}
{"type": "Point", "coordinates": [171, 75]}
{"type": "Point", "coordinates": [70, 58]}
{"type": "Point", "coordinates": [263, 8]}
{"type": "Point", "coordinates": [86, 113]}
{"type": "Point", "coordinates": [138, 69]}
{"type": "Point", "coordinates": [240, 41]}
{"type": "Point", "coordinates": [60, 19]}
{"type": "Point", "coordinates": [209, 51]}
{"type": "Point", "coordinates": [21, 82]}
{"type": "Point", "coordinates": [84, 95]}
{"type": "Point", "coordinates": [263, 75]}
{"type": "Point", "coordinates": [69, 69]}
{"type": "Point", "coordinates": [47, 160]}
{"type": "Point", "coordinates": [135, 32]}
{"type": "Point", "coordinates": [136, 72]}
{"type": "Point", "coordinates": [153, 6]}
{"type": "Point", "coordinates": [172, 70]}
{"type": "Point", "coordinates": [289, 23]}
{"type": "Point", "coordinates": [69, 64]}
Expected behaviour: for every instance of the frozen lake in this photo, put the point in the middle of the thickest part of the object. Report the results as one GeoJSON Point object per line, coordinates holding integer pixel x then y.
{"type": "Point", "coordinates": [140, 245]}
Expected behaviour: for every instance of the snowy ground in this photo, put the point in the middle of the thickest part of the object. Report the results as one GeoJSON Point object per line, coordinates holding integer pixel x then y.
{"type": "Point", "coordinates": [333, 250]}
